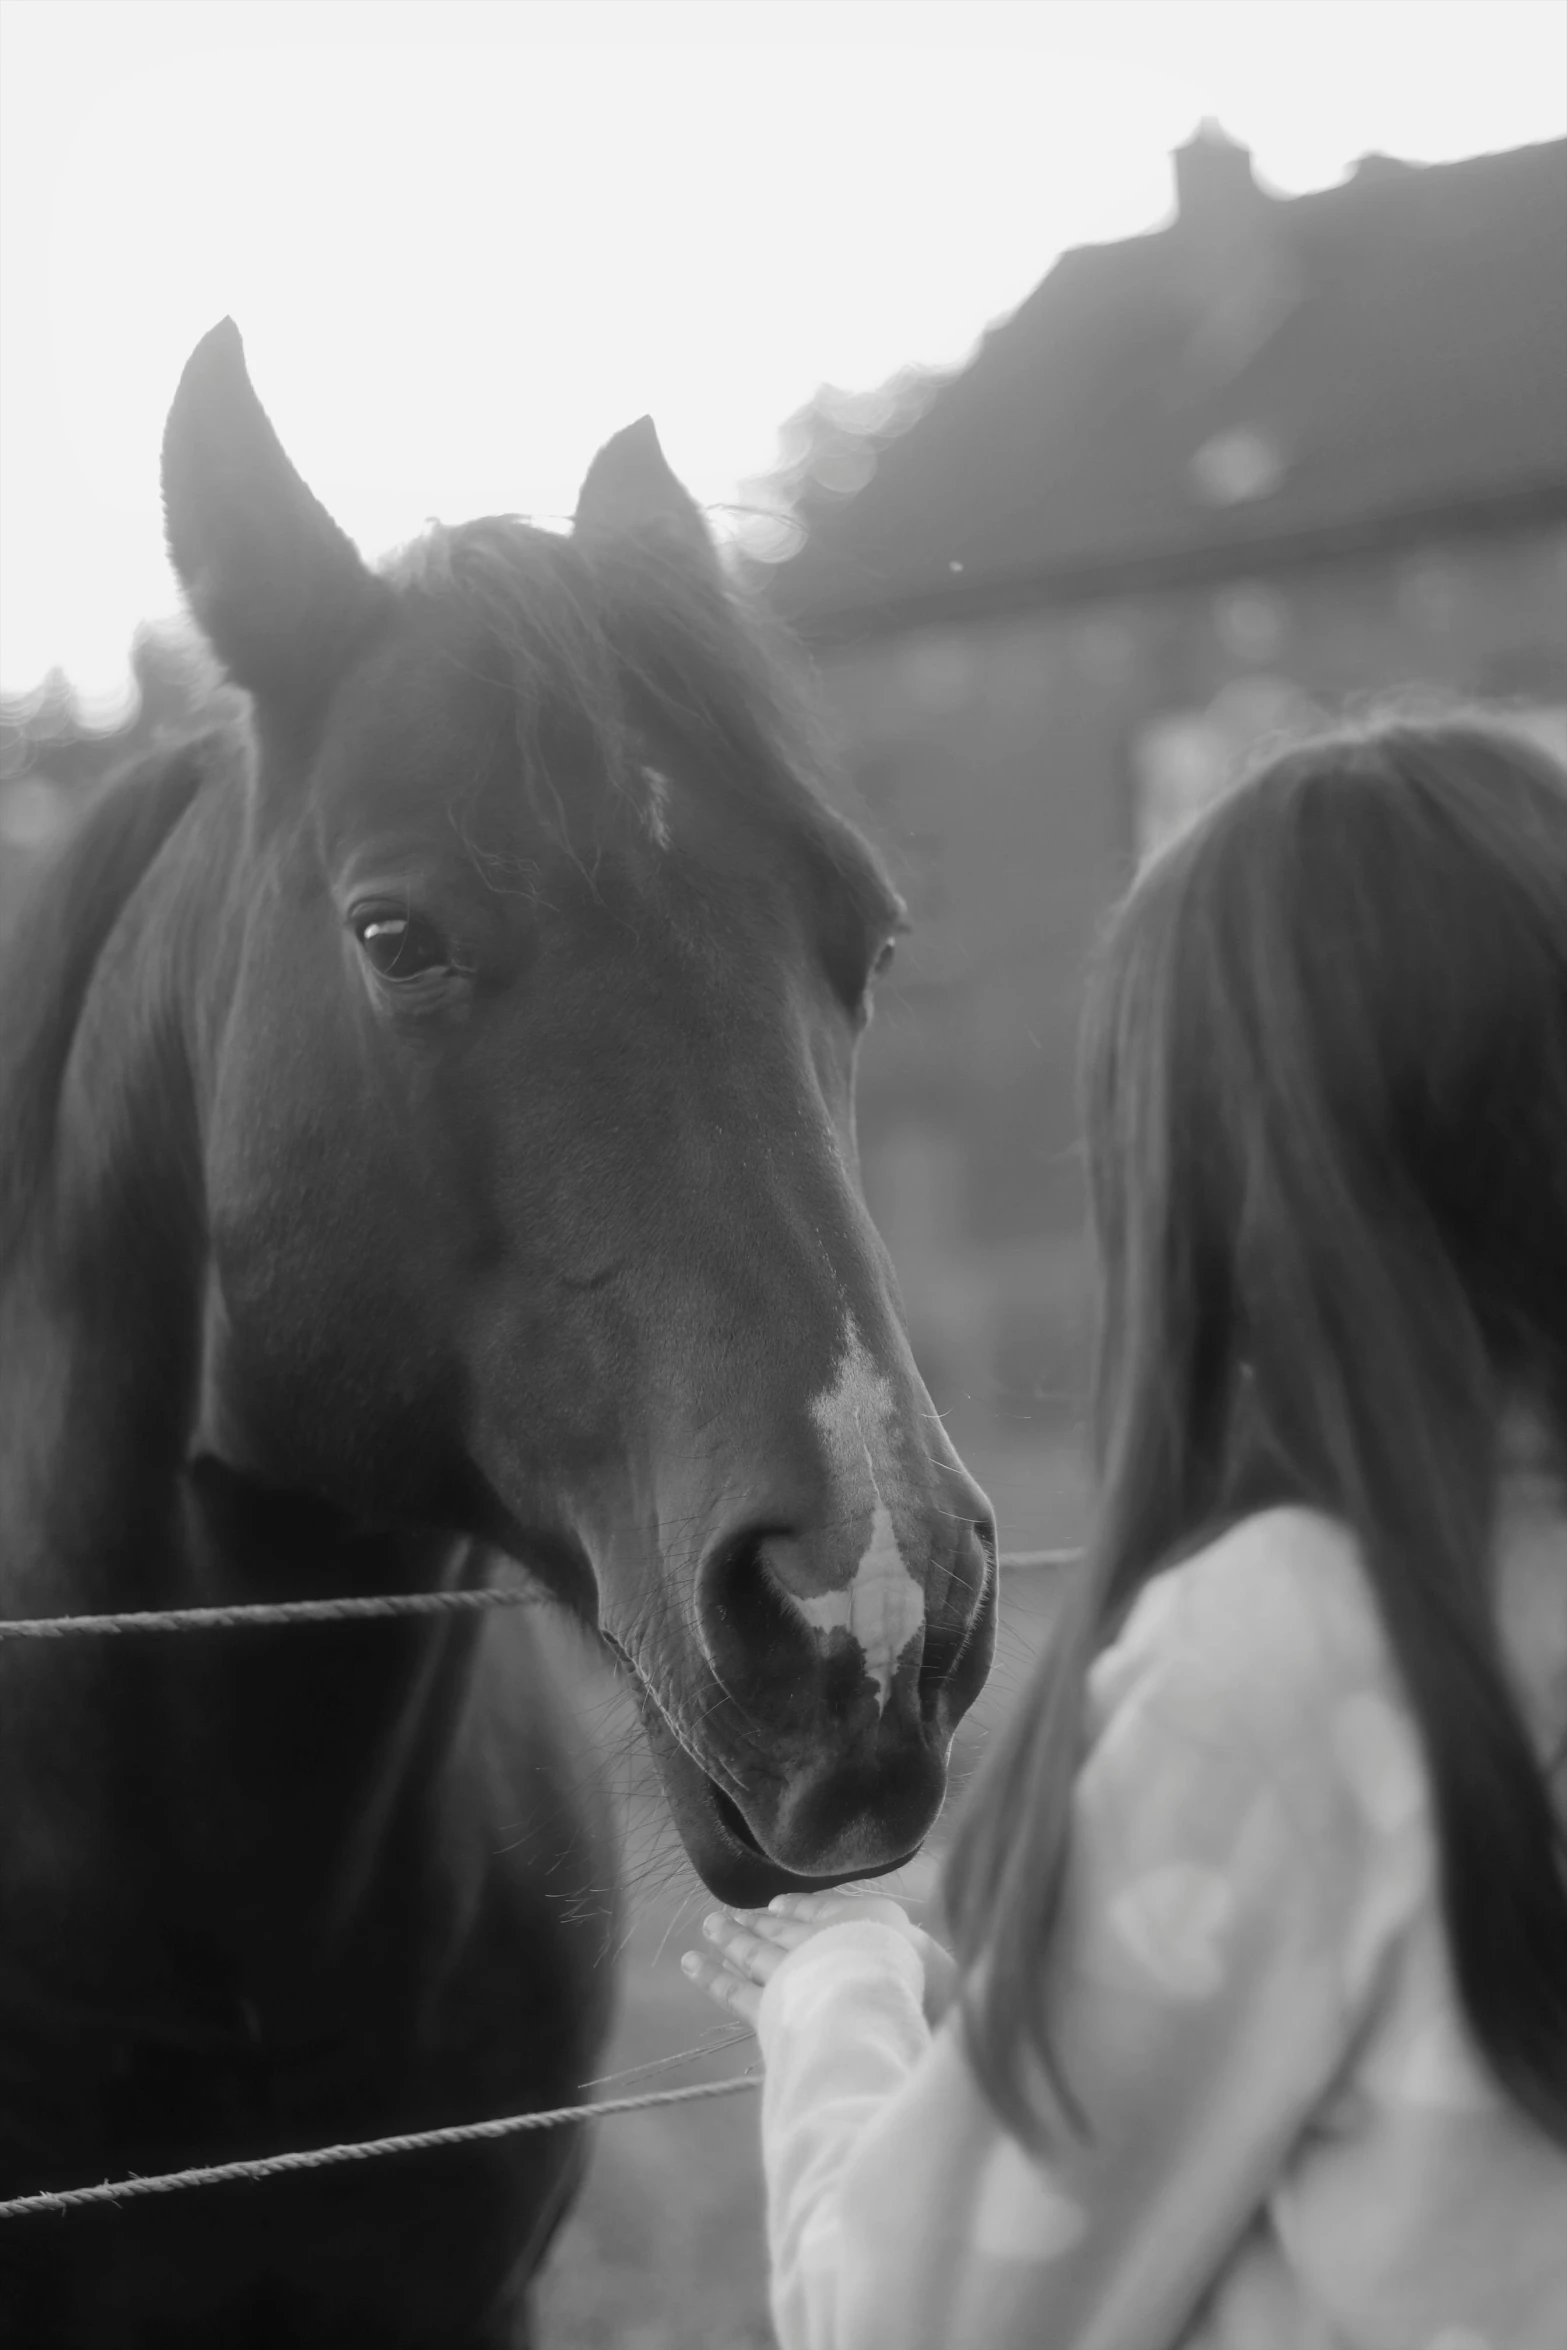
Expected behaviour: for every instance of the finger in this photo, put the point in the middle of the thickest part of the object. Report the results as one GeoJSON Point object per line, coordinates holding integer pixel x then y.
{"type": "Point", "coordinates": [747, 1953]}
{"type": "Point", "coordinates": [807, 1906]}
{"type": "Point", "coordinates": [880, 1908]}
{"type": "Point", "coordinates": [814, 1909]}
{"type": "Point", "coordinates": [788, 1933]}
{"type": "Point", "coordinates": [740, 1998]}
{"type": "Point", "coordinates": [810, 1905]}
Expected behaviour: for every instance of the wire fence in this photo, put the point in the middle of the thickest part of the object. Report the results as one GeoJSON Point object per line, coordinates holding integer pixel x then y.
{"type": "Point", "coordinates": [250, 1614]}
{"type": "Point", "coordinates": [256, 1613]}
{"type": "Point", "coordinates": [273, 2166]}
{"type": "Point", "coordinates": [485, 1598]}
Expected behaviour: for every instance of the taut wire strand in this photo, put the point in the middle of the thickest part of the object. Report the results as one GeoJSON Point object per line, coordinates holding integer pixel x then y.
{"type": "Point", "coordinates": [271, 2166]}
{"type": "Point", "coordinates": [282, 1611]}
{"type": "Point", "coordinates": [340, 1611]}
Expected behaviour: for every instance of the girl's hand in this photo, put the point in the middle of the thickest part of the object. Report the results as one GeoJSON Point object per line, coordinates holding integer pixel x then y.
{"type": "Point", "coordinates": [751, 1944]}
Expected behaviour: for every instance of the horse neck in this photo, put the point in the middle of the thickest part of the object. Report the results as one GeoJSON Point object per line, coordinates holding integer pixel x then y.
{"type": "Point", "coordinates": [99, 1217]}
{"type": "Point", "coordinates": [315, 1747]}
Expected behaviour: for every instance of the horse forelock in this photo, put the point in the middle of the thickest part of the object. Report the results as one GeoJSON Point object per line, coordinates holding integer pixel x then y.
{"type": "Point", "coordinates": [519, 592]}
{"type": "Point", "coordinates": [638, 660]}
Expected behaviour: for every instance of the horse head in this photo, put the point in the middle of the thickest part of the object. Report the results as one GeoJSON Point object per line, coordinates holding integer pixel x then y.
{"type": "Point", "coordinates": [525, 1093]}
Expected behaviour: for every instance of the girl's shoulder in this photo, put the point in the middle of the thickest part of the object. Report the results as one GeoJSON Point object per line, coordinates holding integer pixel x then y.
{"type": "Point", "coordinates": [1279, 1600]}
{"type": "Point", "coordinates": [1267, 1639]}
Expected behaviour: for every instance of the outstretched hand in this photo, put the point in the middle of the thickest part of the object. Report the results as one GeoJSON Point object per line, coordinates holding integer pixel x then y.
{"type": "Point", "coordinates": [749, 1946]}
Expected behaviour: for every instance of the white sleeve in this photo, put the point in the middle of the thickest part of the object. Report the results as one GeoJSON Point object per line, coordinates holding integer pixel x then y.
{"type": "Point", "coordinates": [1197, 2001]}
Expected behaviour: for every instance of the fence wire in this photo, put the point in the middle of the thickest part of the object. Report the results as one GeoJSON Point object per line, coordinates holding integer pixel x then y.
{"type": "Point", "coordinates": [273, 2166]}
{"type": "Point", "coordinates": [255, 1613]}
{"type": "Point", "coordinates": [338, 1611]}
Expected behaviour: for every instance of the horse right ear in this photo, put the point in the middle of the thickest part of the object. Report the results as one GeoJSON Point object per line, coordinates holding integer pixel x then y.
{"type": "Point", "coordinates": [280, 593]}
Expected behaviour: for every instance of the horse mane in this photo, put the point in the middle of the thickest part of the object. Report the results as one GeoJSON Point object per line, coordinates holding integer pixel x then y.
{"type": "Point", "coordinates": [51, 945]}
{"type": "Point", "coordinates": [612, 650]}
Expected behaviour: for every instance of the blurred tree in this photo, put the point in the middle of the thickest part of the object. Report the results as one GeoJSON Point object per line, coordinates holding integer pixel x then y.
{"type": "Point", "coordinates": [827, 452]}
{"type": "Point", "coordinates": [52, 754]}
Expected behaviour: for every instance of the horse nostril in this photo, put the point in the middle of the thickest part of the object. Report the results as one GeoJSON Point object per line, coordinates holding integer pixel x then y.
{"type": "Point", "coordinates": [805, 1617]}
{"type": "Point", "coordinates": [798, 1572]}
{"type": "Point", "coordinates": [743, 1601]}
{"type": "Point", "coordinates": [969, 1593]}
{"type": "Point", "coordinates": [784, 1609]}
{"type": "Point", "coordinates": [985, 1536]}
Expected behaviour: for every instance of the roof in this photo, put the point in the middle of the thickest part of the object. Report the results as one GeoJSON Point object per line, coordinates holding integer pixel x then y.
{"type": "Point", "coordinates": [1264, 374]}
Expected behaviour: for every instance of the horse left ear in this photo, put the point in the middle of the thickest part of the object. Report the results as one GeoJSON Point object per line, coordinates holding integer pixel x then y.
{"type": "Point", "coordinates": [280, 593]}
{"type": "Point", "coordinates": [630, 493]}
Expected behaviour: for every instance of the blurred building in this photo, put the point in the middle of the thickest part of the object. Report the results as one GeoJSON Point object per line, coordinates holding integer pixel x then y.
{"type": "Point", "coordinates": [1275, 460]}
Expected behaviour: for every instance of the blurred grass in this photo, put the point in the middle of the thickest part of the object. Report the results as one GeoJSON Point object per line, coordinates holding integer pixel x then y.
{"type": "Point", "coordinates": [665, 2249]}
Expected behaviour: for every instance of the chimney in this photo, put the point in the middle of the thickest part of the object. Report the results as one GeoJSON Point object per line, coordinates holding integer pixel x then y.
{"type": "Point", "coordinates": [1214, 186]}
{"type": "Point", "coordinates": [1227, 254]}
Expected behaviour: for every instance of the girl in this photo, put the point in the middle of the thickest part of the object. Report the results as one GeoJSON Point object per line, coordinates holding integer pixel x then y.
{"type": "Point", "coordinates": [1260, 2033]}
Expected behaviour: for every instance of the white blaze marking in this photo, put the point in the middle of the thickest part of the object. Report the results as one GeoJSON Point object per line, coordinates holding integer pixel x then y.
{"type": "Point", "coordinates": [882, 1604]}
{"type": "Point", "coordinates": [656, 807]}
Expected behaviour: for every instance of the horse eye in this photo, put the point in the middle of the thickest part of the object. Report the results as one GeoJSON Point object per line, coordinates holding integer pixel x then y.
{"type": "Point", "coordinates": [401, 945]}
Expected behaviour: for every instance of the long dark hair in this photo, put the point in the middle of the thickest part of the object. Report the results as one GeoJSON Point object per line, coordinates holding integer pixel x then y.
{"type": "Point", "coordinates": [1325, 1081]}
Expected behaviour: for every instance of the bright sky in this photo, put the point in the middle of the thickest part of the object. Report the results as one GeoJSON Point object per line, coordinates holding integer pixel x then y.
{"type": "Point", "coordinates": [465, 243]}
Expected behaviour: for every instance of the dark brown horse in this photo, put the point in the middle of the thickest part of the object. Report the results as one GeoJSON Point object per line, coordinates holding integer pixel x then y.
{"type": "Point", "coordinates": [427, 1133]}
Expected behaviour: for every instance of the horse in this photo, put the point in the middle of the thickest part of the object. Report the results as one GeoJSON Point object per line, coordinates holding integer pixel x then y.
{"type": "Point", "coordinates": [429, 1143]}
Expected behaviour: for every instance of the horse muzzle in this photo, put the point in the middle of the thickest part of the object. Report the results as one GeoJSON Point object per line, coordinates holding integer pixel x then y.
{"type": "Point", "coordinates": [831, 1782]}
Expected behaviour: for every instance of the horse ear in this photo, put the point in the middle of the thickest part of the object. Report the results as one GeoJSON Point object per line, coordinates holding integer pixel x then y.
{"type": "Point", "coordinates": [630, 493]}
{"type": "Point", "coordinates": [280, 593]}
